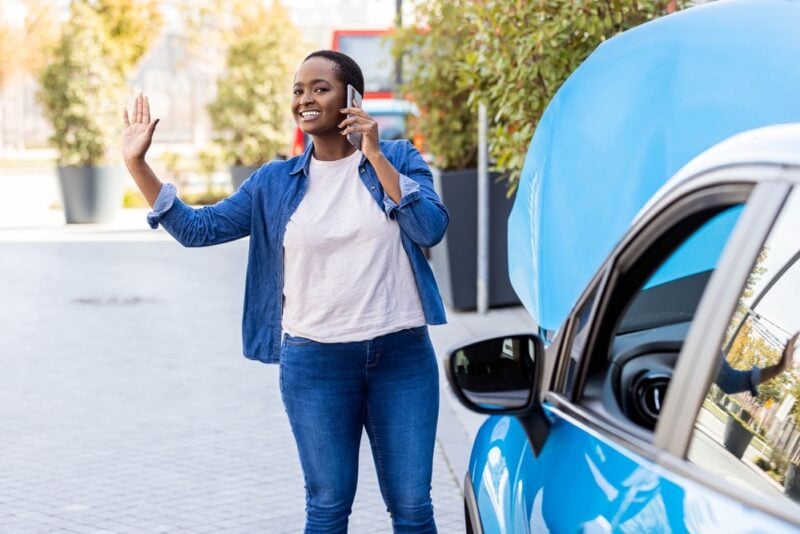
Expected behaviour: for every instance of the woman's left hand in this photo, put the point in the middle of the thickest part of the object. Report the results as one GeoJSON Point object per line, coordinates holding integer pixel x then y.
{"type": "Point", "coordinates": [361, 122]}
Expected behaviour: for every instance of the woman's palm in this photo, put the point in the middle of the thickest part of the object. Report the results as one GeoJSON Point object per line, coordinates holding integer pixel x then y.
{"type": "Point", "coordinates": [138, 132]}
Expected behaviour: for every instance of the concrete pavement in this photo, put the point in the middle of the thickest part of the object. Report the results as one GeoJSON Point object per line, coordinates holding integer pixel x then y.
{"type": "Point", "coordinates": [125, 405]}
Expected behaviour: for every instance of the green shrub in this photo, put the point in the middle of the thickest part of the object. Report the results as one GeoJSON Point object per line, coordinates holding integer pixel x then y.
{"type": "Point", "coordinates": [513, 56]}
{"type": "Point", "coordinates": [432, 54]}
{"type": "Point", "coordinates": [251, 111]}
{"type": "Point", "coordinates": [134, 199]}
{"type": "Point", "coordinates": [83, 83]}
{"type": "Point", "coordinates": [81, 92]}
{"type": "Point", "coordinates": [524, 53]}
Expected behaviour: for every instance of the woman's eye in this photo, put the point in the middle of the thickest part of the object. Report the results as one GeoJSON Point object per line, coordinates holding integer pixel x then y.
{"type": "Point", "coordinates": [320, 89]}
{"type": "Point", "coordinates": [297, 92]}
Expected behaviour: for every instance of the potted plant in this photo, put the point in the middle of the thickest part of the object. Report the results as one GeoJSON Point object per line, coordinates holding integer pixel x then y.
{"type": "Point", "coordinates": [82, 91]}
{"type": "Point", "coordinates": [448, 125]}
{"type": "Point", "coordinates": [81, 94]}
{"type": "Point", "coordinates": [738, 434]}
{"type": "Point", "coordinates": [250, 112]}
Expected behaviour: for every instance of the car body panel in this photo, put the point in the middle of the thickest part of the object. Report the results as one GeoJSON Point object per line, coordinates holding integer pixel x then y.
{"type": "Point", "coordinates": [637, 110]}
{"type": "Point", "coordinates": [583, 482]}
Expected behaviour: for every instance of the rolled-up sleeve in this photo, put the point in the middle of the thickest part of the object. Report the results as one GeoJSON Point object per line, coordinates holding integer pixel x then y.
{"type": "Point", "coordinates": [420, 213]}
{"type": "Point", "coordinates": [164, 201]}
{"type": "Point", "coordinates": [225, 221]}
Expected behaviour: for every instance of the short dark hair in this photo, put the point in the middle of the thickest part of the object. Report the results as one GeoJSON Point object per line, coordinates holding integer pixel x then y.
{"type": "Point", "coordinates": [347, 70]}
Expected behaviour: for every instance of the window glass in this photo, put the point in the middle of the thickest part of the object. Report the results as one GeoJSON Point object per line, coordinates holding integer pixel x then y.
{"type": "Point", "coordinates": [648, 317]}
{"type": "Point", "coordinates": [747, 429]}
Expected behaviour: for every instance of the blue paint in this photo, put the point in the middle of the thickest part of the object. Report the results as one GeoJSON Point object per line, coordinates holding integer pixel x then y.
{"type": "Point", "coordinates": [581, 479]}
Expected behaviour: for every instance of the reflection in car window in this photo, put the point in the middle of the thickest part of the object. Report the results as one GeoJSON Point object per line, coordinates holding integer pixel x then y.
{"type": "Point", "coordinates": [747, 429]}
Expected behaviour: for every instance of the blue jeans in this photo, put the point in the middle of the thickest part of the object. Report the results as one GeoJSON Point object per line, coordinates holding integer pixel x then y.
{"type": "Point", "coordinates": [388, 385]}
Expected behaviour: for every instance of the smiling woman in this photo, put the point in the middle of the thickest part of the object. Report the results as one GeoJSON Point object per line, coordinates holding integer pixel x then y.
{"type": "Point", "coordinates": [338, 290]}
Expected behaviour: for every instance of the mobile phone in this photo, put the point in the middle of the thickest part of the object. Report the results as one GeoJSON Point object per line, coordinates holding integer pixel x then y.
{"type": "Point", "coordinates": [353, 100]}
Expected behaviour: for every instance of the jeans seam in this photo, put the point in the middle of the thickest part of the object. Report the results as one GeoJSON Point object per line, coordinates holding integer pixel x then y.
{"type": "Point", "coordinates": [384, 488]}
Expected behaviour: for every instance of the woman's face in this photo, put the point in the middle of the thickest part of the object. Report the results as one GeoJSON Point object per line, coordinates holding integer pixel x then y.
{"type": "Point", "coordinates": [318, 97]}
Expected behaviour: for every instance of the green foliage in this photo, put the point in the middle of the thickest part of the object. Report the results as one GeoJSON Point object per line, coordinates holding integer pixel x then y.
{"type": "Point", "coordinates": [512, 55]}
{"type": "Point", "coordinates": [251, 110]}
{"type": "Point", "coordinates": [132, 27]}
{"type": "Point", "coordinates": [134, 199]}
{"type": "Point", "coordinates": [524, 51]}
{"type": "Point", "coordinates": [206, 198]}
{"type": "Point", "coordinates": [432, 56]}
{"type": "Point", "coordinates": [81, 92]}
{"type": "Point", "coordinates": [83, 84]}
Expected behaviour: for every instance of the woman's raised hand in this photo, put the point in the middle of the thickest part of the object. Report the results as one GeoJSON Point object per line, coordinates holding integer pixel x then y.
{"type": "Point", "coordinates": [138, 132]}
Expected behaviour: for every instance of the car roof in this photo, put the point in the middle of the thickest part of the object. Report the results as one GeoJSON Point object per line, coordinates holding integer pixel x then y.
{"type": "Point", "coordinates": [640, 108]}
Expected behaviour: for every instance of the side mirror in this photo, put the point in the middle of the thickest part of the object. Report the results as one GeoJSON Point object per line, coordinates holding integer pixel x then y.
{"type": "Point", "coordinates": [498, 375]}
{"type": "Point", "coordinates": [501, 376]}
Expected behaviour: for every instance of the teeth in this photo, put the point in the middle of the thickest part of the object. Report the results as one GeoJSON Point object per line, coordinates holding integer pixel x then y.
{"type": "Point", "coordinates": [309, 114]}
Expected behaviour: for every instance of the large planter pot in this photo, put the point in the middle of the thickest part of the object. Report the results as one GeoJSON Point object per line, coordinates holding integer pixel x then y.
{"type": "Point", "coordinates": [240, 173]}
{"type": "Point", "coordinates": [91, 194]}
{"type": "Point", "coordinates": [791, 482]}
{"type": "Point", "coordinates": [737, 437]}
{"type": "Point", "coordinates": [455, 259]}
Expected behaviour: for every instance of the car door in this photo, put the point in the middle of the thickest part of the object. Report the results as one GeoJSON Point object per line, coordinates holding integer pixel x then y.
{"type": "Point", "coordinates": [608, 463]}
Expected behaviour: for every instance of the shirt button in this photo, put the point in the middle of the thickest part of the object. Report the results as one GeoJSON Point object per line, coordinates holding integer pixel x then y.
{"type": "Point", "coordinates": [372, 188]}
{"type": "Point", "coordinates": [362, 170]}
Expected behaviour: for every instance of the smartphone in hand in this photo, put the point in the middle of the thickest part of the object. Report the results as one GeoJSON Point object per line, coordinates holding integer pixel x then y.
{"type": "Point", "coordinates": [353, 100]}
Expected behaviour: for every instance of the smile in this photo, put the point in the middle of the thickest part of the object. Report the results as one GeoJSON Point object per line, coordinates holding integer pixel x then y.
{"type": "Point", "coordinates": [309, 115]}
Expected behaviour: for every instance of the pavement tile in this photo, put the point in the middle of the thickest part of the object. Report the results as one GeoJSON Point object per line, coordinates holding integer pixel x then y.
{"type": "Point", "coordinates": [126, 405]}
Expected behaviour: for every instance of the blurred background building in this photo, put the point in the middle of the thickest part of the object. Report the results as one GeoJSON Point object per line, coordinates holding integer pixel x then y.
{"type": "Point", "coordinates": [180, 82]}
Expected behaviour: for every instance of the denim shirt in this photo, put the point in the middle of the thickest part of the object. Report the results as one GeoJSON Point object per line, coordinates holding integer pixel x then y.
{"type": "Point", "coordinates": [261, 209]}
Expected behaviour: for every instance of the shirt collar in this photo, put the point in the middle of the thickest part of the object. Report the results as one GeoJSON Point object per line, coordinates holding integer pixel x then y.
{"type": "Point", "coordinates": [304, 161]}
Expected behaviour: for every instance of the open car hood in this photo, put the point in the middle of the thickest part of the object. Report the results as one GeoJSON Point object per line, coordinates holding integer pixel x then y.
{"type": "Point", "coordinates": [638, 109]}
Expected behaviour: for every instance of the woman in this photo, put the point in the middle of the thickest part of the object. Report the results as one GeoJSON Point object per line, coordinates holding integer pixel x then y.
{"type": "Point", "coordinates": [338, 291]}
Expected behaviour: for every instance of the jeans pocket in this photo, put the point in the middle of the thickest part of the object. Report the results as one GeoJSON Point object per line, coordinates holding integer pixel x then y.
{"type": "Point", "coordinates": [296, 341]}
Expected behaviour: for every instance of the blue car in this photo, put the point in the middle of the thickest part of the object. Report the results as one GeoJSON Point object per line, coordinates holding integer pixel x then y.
{"type": "Point", "coordinates": [655, 240]}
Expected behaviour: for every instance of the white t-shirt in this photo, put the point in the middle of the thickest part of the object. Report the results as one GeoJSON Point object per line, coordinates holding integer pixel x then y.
{"type": "Point", "coordinates": [346, 275]}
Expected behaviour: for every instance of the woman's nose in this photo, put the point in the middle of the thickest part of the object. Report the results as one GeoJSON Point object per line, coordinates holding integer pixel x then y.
{"type": "Point", "coordinates": [305, 98]}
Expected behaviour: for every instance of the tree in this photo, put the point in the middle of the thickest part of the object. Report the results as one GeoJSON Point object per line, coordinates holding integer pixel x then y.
{"type": "Point", "coordinates": [432, 52]}
{"type": "Point", "coordinates": [132, 27]}
{"type": "Point", "coordinates": [81, 91]}
{"type": "Point", "coordinates": [251, 111]}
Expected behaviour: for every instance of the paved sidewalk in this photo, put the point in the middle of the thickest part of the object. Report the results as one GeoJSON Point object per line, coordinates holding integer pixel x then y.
{"type": "Point", "coordinates": [125, 405]}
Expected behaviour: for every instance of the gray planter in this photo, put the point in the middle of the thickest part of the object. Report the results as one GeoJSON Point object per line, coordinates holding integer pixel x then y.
{"type": "Point", "coordinates": [240, 173]}
{"type": "Point", "coordinates": [737, 437]}
{"type": "Point", "coordinates": [455, 259]}
{"type": "Point", "coordinates": [791, 482]}
{"type": "Point", "coordinates": [91, 194]}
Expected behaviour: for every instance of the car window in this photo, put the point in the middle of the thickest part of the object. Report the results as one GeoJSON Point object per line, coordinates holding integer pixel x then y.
{"type": "Point", "coordinates": [650, 307]}
{"type": "Point", "coordinates": [747, 428]}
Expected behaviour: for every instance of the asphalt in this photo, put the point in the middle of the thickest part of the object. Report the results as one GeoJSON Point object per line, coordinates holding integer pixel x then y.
{"type": "Point", "coordinates": [125, 403]}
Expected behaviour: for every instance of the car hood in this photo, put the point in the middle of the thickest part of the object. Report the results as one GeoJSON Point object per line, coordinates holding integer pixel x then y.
{"type": "Point", "coordinates": [638, 109]}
